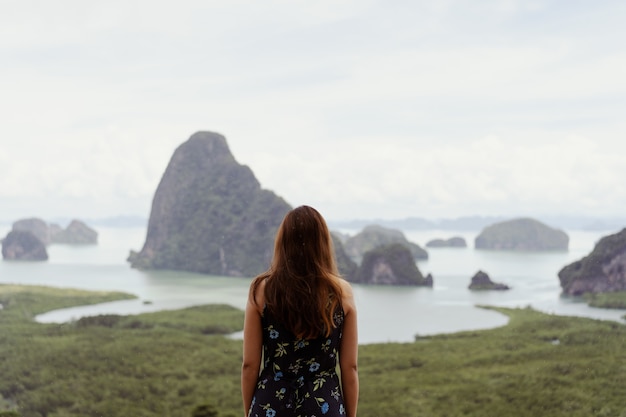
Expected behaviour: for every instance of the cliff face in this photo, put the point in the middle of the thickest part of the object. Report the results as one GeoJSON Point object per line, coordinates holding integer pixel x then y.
{"type": "Point", "coordinates": [390, 265]}
{"type": "Point", "coordinates": [603, 270]}
{"type": "Point", "coordinates": [209, 214]}
{"type": "Point", "coordinates": [523, 235]}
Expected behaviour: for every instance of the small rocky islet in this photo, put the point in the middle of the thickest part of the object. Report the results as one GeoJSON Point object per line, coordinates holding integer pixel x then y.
{"type": "Point", "coordinates": [453, 242]}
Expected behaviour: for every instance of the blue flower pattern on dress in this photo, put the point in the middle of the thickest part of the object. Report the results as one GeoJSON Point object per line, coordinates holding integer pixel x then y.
{"type": "Point", "coordinates": [298, 377]}
{"type": "Point", "coordinates": [273, 333]}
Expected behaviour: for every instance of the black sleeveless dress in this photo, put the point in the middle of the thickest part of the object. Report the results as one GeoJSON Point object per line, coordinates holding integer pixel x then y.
{"type": "Point", "coordinates": [299, 376]}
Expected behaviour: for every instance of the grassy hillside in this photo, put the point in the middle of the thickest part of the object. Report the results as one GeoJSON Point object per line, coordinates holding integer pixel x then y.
{"type": "Point", "coordinates": [169, 363]}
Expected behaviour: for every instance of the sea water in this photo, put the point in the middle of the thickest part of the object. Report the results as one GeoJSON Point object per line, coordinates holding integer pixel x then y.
{"type": "Point", "coordinates": [385, 314]}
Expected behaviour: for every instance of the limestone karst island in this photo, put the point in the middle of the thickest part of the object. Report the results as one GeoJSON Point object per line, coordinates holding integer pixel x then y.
{"type": "Point", "coordinates": [210, 215]}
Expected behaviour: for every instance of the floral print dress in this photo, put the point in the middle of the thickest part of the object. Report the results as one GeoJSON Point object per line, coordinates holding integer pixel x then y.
{"type": "Point", "coordinates": [299, 376]}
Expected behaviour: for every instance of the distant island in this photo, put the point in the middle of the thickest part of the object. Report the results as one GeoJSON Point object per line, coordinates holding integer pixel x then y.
{"type": "Point", "coordinates": [374, 236]}
{"type": "Point", "coordinates": [22, 245]}
{"type": "Point", "coordinates": [453, 242]}
{"type": "Point", "coordinates": [524, 234]}
{"type": "Point", "coordinates": [477, 223]}
{"type": "Point", "coordinates": [463, 223]}
{"type": "Point", "coordinates": [28, 238]}
{"type": "Point", "coordinates": [76, 233]}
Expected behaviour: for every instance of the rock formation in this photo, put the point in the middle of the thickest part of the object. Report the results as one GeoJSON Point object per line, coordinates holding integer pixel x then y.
{"type": "Point", "coordinates": [521, 235]}
{"type": "Point", "coordinates": [482, 281]}
{"type": "Point", "coordinates": [209, 214]}
{"type": "Point", "coordinates": [76, 233]}
{"type": "Point", "coordinates": [453, 242]}
{"type": "Point", "coordinates": [23, 245]}
{"type": "Point", "coordinates": [603, 270]}
{"type": "Point", "coordinates": [54, 230]}
{"type": "Point", "coordinates": [373, 236]}
{"type": "Point", "coordinates": [392, 264]}
{"type": "Point", "coordinates": [36, 226]}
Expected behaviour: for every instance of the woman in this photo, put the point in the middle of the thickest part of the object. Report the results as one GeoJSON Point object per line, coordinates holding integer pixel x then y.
{"type": "Point", "coordinates": [301, 319]}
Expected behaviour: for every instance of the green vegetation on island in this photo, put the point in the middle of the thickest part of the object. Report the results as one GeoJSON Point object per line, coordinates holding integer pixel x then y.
{"type": "Point", "coordinates": [615, 299]}
{"type": "Point", "coordinates": [171, 364]}
{"type": "Point", "coordinates": [24, 302]}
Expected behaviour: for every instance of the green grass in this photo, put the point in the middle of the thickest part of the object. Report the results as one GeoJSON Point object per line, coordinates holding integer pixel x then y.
{"type": "Point", "coordinates": [26, 302]}
{"type": "Point", "coordinates": [607, 300]}
{"type": "Point", "coordinates": [168, 363]}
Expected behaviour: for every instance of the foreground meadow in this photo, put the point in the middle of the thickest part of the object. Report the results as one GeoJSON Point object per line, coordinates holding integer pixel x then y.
{"type": "Point", "coordinates": [183, 364]}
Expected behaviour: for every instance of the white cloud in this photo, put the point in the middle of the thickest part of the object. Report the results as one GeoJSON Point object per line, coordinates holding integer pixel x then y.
{"type": "Point", "coordinates": [369, 109]}
{"type": "Point", "coordinates": [560, 174]}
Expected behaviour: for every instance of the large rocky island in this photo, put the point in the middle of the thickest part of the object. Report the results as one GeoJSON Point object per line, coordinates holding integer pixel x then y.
{"type": "Point", "coordinates": [210, 214]}
{"type": "Point", "coordinates": [603, 270]}
{"type": "Point", "coordinates": [522, 234]}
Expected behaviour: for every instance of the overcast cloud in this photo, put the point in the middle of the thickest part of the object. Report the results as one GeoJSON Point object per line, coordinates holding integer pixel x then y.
{"type": "Point", "coordinates": [364, 109]}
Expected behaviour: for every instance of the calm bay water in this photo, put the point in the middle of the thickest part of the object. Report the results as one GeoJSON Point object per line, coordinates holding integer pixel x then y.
{"type": "Point", "coordinates": [385, 313]}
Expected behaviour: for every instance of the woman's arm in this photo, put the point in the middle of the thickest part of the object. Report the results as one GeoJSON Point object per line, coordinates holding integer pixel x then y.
{"type": "Point", "coordinates": [252, 347]}
{"type": "Point", "coordinates": [348, 354]}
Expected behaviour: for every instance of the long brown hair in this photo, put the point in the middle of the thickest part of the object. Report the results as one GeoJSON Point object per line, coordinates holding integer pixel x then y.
{"type": "Point", "coordinates": [302, 287]}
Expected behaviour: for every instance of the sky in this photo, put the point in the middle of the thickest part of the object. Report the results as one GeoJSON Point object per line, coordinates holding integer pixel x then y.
{"type": "Point", "coordinates": [362, 109]}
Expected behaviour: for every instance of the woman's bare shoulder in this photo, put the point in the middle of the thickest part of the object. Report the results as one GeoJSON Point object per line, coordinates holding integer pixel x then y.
{"type": "Point", "coordinates": [257, 294]}
{"type": "Point", "coordinates": [347, 295]}
{"type": "Point", "coordinates": [345, 286]}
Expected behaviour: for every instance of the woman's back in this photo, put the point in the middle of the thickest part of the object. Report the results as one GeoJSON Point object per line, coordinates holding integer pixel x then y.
{"type": "Point", "coordinates": [300, 327]}
{"type": "Point", "coordinates": [299, 376]}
